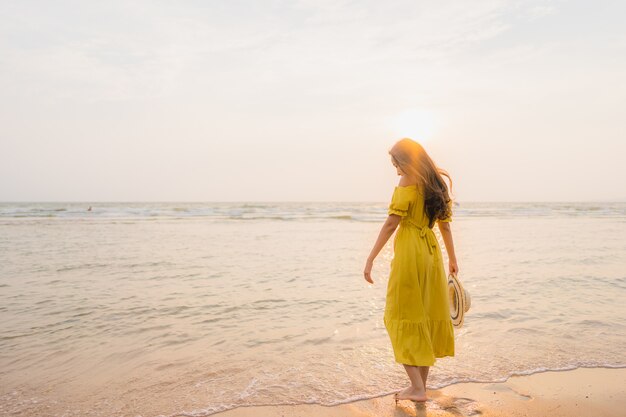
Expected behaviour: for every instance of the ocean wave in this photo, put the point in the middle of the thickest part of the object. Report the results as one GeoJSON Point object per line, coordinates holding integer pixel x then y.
{"type": "Point", "coordinates": [359, 212]}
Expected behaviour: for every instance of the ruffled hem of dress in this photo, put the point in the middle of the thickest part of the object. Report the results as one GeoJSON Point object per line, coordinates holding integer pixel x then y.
{"type": "Point", "coordinates": [419, 343]}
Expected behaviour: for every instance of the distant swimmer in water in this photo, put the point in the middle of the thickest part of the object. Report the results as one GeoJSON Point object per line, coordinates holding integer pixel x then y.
{"type": "Point", "coordinates": [89, 209]}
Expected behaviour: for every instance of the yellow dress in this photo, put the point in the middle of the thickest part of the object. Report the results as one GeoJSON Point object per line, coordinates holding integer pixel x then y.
{"type": "Point", "coordinates": [417, 312]}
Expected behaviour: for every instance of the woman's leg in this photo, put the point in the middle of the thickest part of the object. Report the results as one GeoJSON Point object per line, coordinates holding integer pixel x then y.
{"type": "Point", "coordinates": [415, 377]}
{"type": "Point", "coordinates": [416, 390]}
{"type": "Point", "coordinates": [424, 374]}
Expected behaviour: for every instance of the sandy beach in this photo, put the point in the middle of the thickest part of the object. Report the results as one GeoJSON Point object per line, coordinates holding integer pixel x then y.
{"type": "Point", "coordinates": [597, 392]}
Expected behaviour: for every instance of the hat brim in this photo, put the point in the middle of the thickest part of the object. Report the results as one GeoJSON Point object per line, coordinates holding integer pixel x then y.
{"type": "Point", "coordinates": [459, 300]}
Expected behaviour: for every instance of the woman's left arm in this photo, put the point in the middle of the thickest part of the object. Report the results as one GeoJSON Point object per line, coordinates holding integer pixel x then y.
{"type": "Point", "coordinates": [446, 234]}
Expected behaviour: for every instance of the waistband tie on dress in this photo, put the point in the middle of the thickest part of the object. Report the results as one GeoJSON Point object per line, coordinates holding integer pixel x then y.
{"type": "Point", "coordinates": [424, 232]}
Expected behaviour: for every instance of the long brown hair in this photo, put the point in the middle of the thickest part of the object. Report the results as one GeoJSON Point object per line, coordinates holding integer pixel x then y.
{"type": "Point", "coordinates": [413, 160]}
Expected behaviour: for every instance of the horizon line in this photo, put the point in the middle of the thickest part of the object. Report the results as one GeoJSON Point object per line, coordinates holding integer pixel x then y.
{"type": "Point", "coordinates": [298, 201]}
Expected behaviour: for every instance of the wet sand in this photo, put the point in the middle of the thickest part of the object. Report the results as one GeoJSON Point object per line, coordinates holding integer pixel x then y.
{"type": "Point", "coordinates": [598, 392]}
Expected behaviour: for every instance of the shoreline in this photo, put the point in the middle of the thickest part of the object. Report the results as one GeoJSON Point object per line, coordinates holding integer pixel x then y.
{"type": "Point", "coordinates": [598, 392]}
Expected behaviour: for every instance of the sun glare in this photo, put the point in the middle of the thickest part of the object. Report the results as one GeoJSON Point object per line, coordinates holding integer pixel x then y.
{"type": "Point", "coordinates": [417, 124]}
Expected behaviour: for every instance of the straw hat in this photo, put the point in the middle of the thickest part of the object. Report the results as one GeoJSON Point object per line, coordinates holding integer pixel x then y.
{"type": "Point", "coordinates": [460, 300]}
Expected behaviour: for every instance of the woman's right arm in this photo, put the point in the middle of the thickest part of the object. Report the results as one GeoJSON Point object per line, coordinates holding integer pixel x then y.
{"type": "Point", "coordinates": [386, 231]}
{"type": "Point", "coordinates": [446, 234]}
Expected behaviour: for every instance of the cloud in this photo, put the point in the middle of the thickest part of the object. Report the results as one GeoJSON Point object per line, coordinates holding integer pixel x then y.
{"type": "Point", "coordinates": [122, 50]}
{"type": "Point", "coordinates": [539, 11]}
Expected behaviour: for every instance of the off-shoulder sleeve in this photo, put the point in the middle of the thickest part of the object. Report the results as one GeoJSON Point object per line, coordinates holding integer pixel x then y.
{"type": "Point", "coordinates": [400, 201]}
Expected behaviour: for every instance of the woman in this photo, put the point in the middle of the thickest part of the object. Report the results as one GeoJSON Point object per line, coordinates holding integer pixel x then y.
{"type": "Point", "coordinates": [417, 312]}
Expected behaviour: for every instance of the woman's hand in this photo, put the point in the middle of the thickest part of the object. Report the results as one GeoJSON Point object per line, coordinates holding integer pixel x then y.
{"type": "Point", "coordinates": [453, 267]}
{"type": "Point", "coordinates": [367, 273]}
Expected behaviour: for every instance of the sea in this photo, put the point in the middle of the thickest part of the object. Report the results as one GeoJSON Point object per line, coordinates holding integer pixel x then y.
{"type": "Point", "coordinates": [189, 309]}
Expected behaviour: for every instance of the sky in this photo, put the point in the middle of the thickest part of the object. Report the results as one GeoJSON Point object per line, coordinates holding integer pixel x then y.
{"type": "Point", "coordinates": [302, 100]}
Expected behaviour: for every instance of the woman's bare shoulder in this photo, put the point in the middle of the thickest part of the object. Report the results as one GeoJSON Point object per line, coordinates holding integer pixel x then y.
{"type": "Point", "coordinates": [405, 181]}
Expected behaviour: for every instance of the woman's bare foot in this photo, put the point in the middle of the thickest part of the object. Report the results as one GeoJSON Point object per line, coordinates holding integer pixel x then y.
{"type": "Point", "coordinates": [411, 393]}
